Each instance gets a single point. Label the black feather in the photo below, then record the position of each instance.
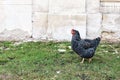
(84, 47)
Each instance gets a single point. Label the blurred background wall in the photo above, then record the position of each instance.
(54, 19)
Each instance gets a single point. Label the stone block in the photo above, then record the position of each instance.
(68, 6)
(2, 18)
(41, 5)
(59, 26)
(18, 17)
(38, 16)
(93, 6)
(94, 25)
(15, 2)
(14, 35)
(111, 22)
(40, 23)
(111, 27)
(110, 0)
(110, 7)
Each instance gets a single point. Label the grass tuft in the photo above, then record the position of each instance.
(43, 61)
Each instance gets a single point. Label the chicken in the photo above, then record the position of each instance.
(85, 48)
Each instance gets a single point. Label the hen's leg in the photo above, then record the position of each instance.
(90, 59)
(82, 60)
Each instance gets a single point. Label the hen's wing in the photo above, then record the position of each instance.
(85, 53)
(85, 44)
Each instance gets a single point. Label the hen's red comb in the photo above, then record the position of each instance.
(72, 30)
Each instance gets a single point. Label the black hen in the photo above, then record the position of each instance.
(84, 47)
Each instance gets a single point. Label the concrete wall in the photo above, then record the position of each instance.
(53, 19)
(110, 10)
(15, 19)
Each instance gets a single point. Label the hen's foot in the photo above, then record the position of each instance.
(82, 60)
(89, 60)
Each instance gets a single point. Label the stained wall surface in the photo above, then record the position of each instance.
(15, 19)
(54, 19)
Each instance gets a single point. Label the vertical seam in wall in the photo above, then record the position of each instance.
(101, 18)
(86, 16)
(47, 21)
(32, 18)
(48, 14)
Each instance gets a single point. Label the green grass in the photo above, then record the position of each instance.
(42, 61)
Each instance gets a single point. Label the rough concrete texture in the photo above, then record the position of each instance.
(93, 6)
(16, 16)
(2, 18)
(14, 35)
(110, 0)
(9, 2)
(41, 5)
(110, 7)
(94, 25)
(59, 26)
(54, 19)
(66, 6)
(40, 23)
(111, 27)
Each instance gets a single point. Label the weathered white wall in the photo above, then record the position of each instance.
(53, 19)
(65, 15)
(111, 27)
(60, 26)
(94, 25)
(15, 15)
(40, 18)
(94, 18)
(110, 10)
(67, 6)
